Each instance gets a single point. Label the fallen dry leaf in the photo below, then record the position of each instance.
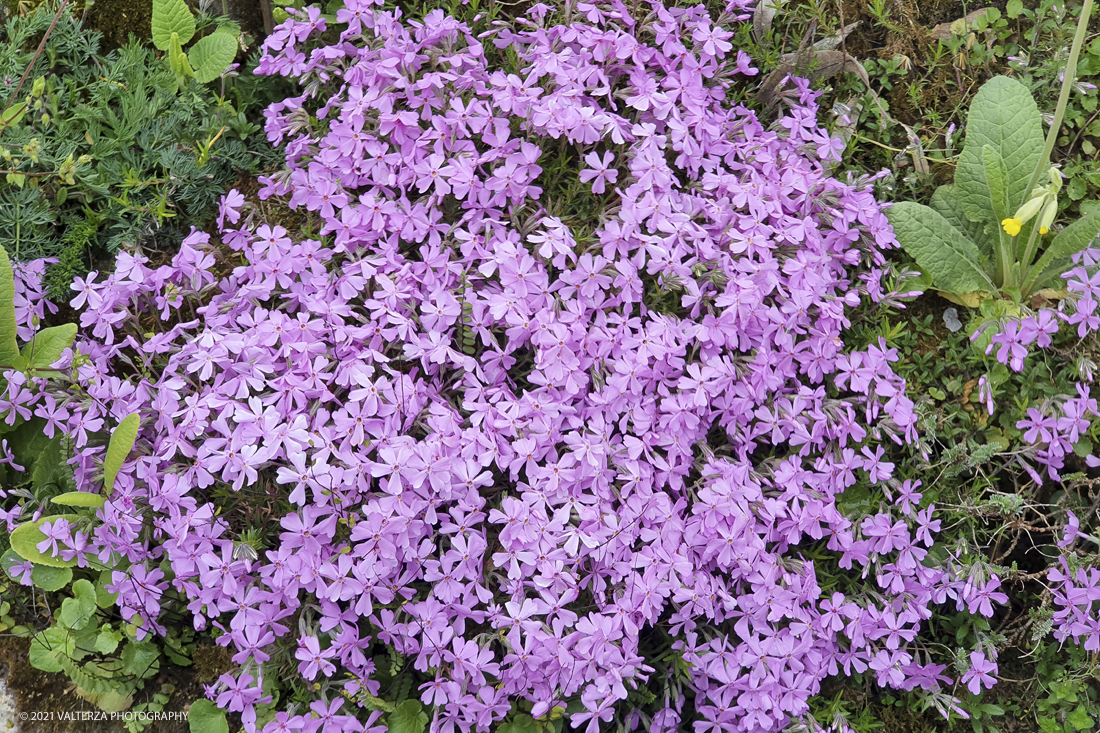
(944, 31)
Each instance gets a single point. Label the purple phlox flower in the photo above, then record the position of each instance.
(600, 170)
(327, 720)
(981, 673)
(981, 599)
(313, 659)
(1012, 350)
(1073, 526)
(229, 207)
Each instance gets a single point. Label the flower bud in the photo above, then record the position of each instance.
(1055, 179)
(1046, 218)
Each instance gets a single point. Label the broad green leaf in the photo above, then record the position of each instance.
(50, 579)
(13, 115)
(85, 638)
(26, 537)
(80, 498)
(1003, 116)
(122, 442)
(48, 645)
(945, 201)
(408, 717)
(939, 248)
(9, 347)
(171, 16)
(522, 723)
(111, 701)
(853, 500)
(107, 640)
(995, 177)
(103, 597)
(1071, 240)
(47, 345)
(78, 611)
(139, 658)
(206, 717)
(211, 55)
(84, 593)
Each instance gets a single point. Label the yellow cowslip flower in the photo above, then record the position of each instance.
(1024, 214)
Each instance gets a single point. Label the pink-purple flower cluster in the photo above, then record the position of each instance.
(511, 447)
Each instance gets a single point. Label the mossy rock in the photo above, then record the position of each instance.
(117, 20)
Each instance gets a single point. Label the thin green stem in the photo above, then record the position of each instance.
(1052, 136)
(1063, 97)
(1029, 251)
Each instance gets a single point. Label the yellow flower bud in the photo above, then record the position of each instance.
(1046, 218)
(1012, 226)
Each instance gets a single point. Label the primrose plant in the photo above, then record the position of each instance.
(173, 24)
(977, 242)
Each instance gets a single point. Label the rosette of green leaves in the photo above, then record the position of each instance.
(958, 241)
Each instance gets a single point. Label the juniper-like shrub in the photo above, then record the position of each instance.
(535, 461)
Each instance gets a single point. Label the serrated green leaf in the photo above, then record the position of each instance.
(50, 579)
(211, 55)
(48, 344)
(1080, 718)
(171, 16)
(408, 717)
(1004, 116)
(122, 442)
(206, 717)
(26, 537)
(1071, 240)
(940, 249)
(81, 499)
(9, 347)
(1049, 725)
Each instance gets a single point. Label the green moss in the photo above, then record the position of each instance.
(118, 19)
